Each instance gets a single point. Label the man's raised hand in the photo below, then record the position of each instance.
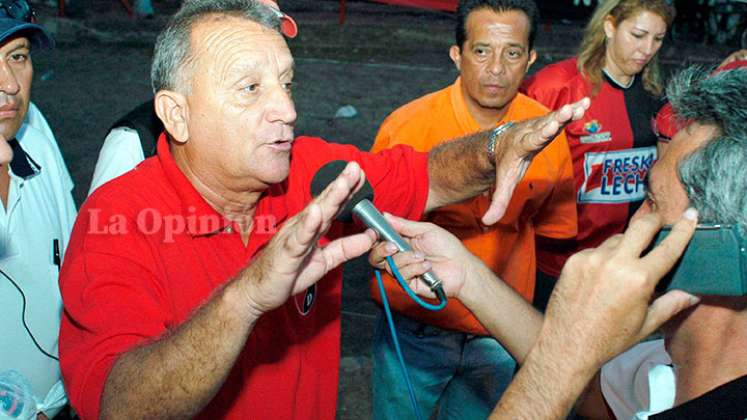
(602, 302)
(516, 147)
(293, 259)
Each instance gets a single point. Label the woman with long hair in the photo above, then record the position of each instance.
(614, 145)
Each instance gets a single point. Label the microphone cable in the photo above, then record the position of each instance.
(390, 321)
(23, 317)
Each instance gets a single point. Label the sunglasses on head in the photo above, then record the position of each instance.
(17, 9)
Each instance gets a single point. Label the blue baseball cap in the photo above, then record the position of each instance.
(17, 18)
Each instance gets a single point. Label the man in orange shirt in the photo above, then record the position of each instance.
(451, 359)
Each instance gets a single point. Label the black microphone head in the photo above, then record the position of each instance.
(328, 173)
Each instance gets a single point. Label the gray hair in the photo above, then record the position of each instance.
(172, 63)
(715, 175)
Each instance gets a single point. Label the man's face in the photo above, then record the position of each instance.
(666, 195)
(240, 111)
(494, 58)
(16, 73)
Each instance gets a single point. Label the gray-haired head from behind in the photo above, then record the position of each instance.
(172, 65)
(715, 175)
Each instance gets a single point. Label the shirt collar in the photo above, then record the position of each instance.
(193, 205)
(22, 165)
(615, 84)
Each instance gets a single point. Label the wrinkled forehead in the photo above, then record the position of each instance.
(220, 40)
(485, 24)
(219, 32)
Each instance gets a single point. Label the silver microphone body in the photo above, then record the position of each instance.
(372, 218)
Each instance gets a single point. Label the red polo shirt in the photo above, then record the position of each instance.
(147, 250)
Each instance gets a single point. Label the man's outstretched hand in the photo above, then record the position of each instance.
(293, 260)
(516, 147)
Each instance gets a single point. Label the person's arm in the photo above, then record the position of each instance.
(461, 168)
(514, 322)
(600, 306)
(176, 375)
(500, 309)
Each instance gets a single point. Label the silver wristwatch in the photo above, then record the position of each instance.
(494, 136)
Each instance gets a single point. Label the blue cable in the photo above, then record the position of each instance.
(409, 291)
(390, 321)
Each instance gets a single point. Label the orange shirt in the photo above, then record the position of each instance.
(543, 202)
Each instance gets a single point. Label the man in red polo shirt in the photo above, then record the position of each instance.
(203, 283)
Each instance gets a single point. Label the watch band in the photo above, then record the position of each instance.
(494, 136)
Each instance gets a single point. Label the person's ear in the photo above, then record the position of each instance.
(532, 59)
(456, 56)
(172, 109)
(609, 27)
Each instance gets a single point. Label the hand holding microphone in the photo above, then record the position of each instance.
(362, 208)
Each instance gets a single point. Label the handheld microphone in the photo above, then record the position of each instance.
(361, 207)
